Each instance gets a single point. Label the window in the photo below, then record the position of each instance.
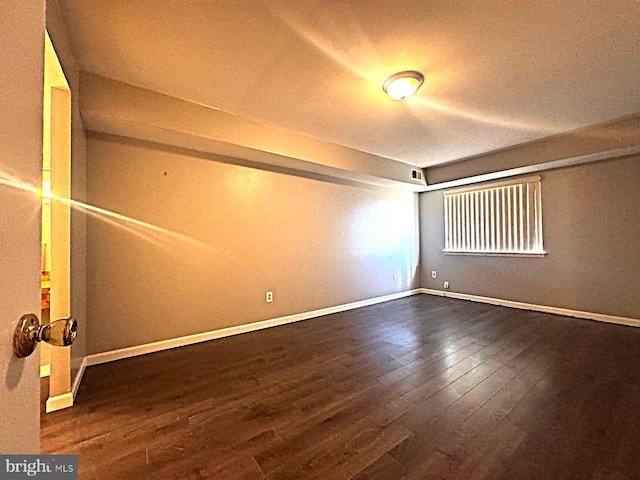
(502, 218)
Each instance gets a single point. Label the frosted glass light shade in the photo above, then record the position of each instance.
(402, 85)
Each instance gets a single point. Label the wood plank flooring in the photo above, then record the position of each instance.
(418, 388)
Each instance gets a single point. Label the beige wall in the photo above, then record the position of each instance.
(59, 38)
(591, 225)
(313, 242)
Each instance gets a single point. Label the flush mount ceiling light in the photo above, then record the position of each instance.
(402, 85)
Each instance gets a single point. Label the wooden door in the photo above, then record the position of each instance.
(21, 95)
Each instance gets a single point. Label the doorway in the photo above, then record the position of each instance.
(55, 363)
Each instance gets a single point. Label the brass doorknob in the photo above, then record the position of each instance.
(29, 332)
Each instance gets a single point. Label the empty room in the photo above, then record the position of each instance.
(320, 239)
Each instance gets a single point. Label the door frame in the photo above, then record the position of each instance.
(57, 153)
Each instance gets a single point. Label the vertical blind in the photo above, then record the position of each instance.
(499, 218)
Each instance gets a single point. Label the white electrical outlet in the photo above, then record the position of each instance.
(269, 297)
(434, 274)
(446, 284)
(395, 277)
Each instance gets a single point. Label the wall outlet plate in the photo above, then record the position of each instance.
(395, 277)
(446, 284)
(434, 274)
(269, 297)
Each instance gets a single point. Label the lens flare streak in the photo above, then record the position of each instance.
(141, 229)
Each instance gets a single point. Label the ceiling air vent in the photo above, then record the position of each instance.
(416, 174)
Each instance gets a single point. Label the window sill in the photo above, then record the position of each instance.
(497, 254)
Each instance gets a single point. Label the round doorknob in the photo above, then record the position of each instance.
(29, 332)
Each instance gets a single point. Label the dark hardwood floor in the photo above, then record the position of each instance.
(422, 387)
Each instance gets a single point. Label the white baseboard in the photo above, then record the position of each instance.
(59, 402)
(600, 317)
(62, 401)
(113, 355)
(82, 366)
(110, 356)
